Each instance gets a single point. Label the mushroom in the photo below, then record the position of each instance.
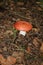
(23, 27)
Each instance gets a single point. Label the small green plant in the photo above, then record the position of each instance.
(14, 32)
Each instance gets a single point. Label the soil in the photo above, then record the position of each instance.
(16, 49)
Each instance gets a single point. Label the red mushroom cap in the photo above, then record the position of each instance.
(23, 26)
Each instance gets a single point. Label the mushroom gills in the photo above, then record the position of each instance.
(22, 33)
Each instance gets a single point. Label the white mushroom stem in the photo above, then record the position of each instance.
(22, 33)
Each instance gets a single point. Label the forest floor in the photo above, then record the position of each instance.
(16, 49)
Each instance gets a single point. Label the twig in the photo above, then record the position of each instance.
(16, 13)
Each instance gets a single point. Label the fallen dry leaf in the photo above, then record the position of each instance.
(2, 59)
(41, 48)
(11, 60)
(28, 49)
(42, 63)
(20, 3)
